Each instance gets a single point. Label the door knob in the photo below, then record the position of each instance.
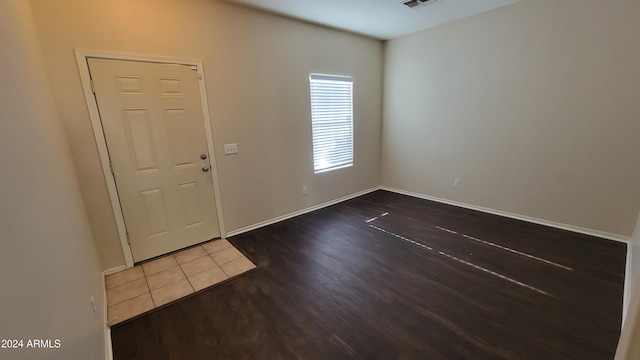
(205, 168)
(203, 156)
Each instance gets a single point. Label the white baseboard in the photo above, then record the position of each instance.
(108, 350)
(553, 224)
(114, 270)
(298, 213)
(108, 355)
(576, 229)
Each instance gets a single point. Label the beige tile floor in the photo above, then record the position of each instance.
(155, 283)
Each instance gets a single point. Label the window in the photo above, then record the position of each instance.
(331, 121)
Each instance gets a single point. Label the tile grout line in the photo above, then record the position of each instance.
(149, 287)
(126, 299)
(185, 274)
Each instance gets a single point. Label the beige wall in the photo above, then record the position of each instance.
(534, 107)
(256, 67)
(50, 267)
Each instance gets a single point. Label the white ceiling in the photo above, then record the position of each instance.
(381, 19)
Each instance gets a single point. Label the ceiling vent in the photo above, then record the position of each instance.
(414, 4)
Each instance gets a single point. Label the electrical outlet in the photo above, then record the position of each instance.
(230, 149)
(456, 183)
(304, 190)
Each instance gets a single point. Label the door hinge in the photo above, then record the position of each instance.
(93, 87)
(111, 167)
(128, 239)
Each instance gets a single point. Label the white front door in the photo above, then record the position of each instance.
(153, 123)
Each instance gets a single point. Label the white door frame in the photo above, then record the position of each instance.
(96, 122)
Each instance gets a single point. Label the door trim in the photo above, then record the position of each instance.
(83, 69)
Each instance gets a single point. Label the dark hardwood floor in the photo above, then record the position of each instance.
(423, 281)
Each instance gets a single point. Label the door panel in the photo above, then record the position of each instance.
(137, 127)
(155, 209)
(190, 203)
(154, 128)
(177, 129)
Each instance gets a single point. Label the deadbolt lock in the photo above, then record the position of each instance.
(203, 156)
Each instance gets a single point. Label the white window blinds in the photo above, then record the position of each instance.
(331, 121)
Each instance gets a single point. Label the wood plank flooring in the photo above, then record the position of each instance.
(387, 276)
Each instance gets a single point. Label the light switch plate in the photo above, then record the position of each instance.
(230, 149)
